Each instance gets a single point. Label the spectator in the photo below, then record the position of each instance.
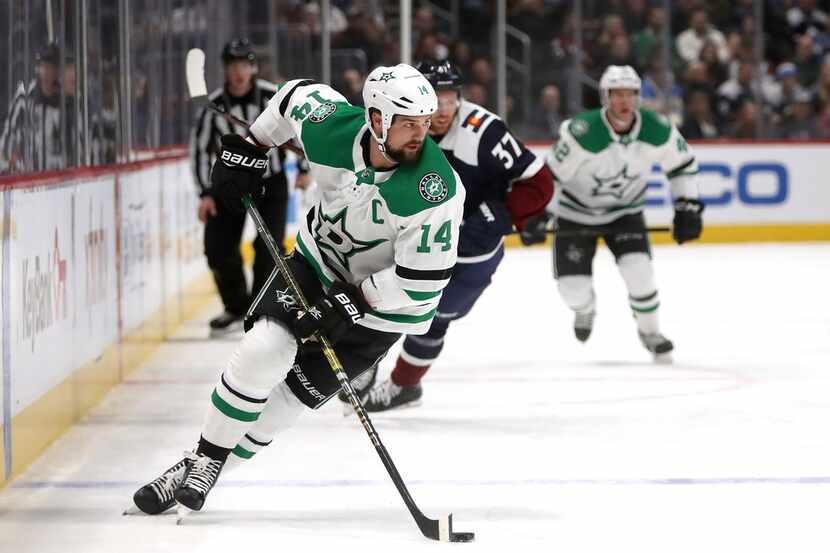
(784, 92)
(799, 124)
(364, 32)
(548, 117)
(645, 41)
(634, 14)
(352, 86)
(461, 55)
(807, 60)
(745, 126)
(475, 93)
(696, 76)
(612, 27)
(699, 121)
(716, 70)
(823, 123)
(656, 93)
(735, 92)
(690, 41)
(481, 73)
(821, 90)
(806, 19)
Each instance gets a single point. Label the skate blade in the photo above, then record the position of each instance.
(182, 512)
(663, 358)
(132, 510)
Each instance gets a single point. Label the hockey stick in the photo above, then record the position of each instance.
(599, 231)
(195, 66)
(440, 529)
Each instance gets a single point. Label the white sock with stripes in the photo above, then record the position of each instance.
(260, 362)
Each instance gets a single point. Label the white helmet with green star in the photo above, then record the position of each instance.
(397, 90)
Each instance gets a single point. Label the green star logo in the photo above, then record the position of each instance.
(331, 234)
(615, 185)
(386, 76)
(365, 176)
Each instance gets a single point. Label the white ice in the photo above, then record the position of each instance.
(534, 441)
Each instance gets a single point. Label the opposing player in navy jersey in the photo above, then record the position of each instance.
(506, 185)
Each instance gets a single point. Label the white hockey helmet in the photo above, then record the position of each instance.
(619, 77)
(397, 90)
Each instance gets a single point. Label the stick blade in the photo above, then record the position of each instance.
(195, 73)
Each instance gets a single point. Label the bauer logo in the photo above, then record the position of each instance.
(323, 111)
(433, 188)
(243, 161)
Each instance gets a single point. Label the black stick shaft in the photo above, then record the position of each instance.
(426, 525)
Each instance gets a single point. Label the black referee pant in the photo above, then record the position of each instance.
(223, 234)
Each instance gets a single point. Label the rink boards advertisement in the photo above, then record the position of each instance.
(743, 184)
(87, 258)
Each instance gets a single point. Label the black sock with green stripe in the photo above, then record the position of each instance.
(212, 450)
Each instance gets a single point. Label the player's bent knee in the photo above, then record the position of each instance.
(264, 355)
(576, 290)
(638, 273)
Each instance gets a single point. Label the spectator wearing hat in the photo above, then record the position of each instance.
(799, 124)
(244, 96)
(782, 95)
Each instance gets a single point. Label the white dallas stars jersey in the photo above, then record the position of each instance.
(602, 176)
(393, 233)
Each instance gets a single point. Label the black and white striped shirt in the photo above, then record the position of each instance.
(205, 140)
(31, 135)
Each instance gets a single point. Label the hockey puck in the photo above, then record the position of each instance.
(462, 536)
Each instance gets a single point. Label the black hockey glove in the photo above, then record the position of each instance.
(688, 223)
(482, 229)
(238, 171)
(333, 314)
(536, 229)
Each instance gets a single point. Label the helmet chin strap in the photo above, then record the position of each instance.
(382, 143)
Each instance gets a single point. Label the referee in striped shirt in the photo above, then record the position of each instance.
(244, 96)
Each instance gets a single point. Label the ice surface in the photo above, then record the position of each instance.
(534, 441)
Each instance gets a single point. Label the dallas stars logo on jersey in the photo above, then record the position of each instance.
(433, 188)
(615, 185)
(322, 111)
(331, 234)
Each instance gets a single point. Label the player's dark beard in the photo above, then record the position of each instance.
(405, 157)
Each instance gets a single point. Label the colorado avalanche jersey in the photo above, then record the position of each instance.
(394, 233)
(603, 175)
(487, 157)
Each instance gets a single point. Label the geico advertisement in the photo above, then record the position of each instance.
(744, 184)
(141, 270)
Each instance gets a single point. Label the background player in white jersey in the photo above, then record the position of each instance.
(506, 185)
(372, 257)
(602, 163)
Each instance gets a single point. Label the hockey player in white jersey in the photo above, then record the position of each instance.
(601, 164)
(506, 186)
(372, 257)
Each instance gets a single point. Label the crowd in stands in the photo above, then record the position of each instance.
(715, 85)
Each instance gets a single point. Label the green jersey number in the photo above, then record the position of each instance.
(561, 151)
(442, 236)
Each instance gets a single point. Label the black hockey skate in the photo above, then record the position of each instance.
(226, 323)
(157, 496)
(660, 346)
(388, 395)
(201, 475)
(583, 325)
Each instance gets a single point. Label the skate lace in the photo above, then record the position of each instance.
(203, 473)
(385, 393)
(167, 483)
